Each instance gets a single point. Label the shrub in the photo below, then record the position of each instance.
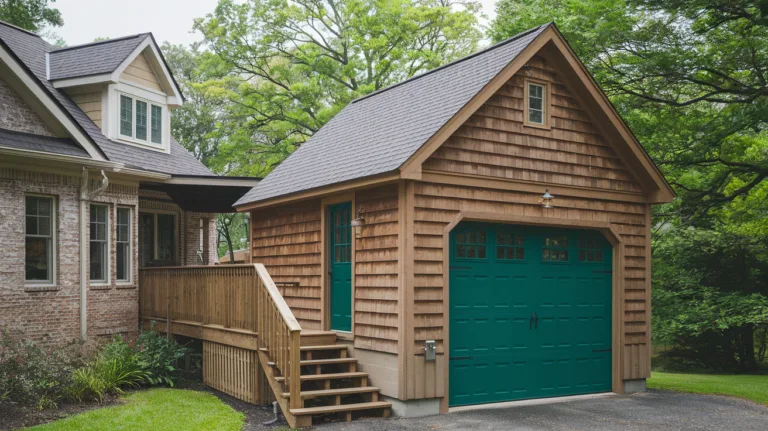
(31, 375)
(157, 355)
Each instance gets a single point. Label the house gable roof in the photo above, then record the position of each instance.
(30, 51)
(377, 133)
(93, 58)
(396, 129)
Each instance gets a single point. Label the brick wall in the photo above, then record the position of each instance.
(51, 313)
(17, 116)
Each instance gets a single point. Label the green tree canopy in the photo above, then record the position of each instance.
(32, 15)
(287, 67)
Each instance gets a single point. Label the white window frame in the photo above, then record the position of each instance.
(107, 249)
(53, 238)
(129, 267)
(545, 103)
(132, 138)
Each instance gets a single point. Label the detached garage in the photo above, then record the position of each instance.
(475, 234)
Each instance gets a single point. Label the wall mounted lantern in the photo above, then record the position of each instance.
(546, 199)
(358, 222)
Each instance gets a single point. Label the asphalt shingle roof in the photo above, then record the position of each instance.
(92, 59)
(31, 49)
(376, 134)
(47, 144)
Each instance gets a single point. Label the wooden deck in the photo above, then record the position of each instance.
(252, 344)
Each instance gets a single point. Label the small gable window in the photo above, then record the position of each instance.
(536, 104)
(140, 120)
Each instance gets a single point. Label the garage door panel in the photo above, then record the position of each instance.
(530, 313)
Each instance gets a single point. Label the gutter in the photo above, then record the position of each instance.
(85, 197)
(85, 161)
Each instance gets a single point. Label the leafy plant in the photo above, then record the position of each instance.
(32, 375)
(157, 356)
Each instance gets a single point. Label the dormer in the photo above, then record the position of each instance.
(123, 85)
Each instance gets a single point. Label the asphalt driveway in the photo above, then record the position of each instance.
(653, 410)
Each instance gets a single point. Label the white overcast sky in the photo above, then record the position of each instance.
(168, 20)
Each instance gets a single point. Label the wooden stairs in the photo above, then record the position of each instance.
(332, 388)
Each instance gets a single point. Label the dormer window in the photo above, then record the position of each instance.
(140, 120)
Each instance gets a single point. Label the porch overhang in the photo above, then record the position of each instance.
(208, 194)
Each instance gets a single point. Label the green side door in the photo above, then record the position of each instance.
(340, 265)
(530, 313)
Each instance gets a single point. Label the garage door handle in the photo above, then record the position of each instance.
(530, 322)
(536, 321)
(460, 358)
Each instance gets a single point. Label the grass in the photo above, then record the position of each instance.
(747, 386)
(156, 409)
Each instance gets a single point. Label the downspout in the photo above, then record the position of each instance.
(85, 196)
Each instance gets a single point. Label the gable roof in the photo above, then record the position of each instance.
(30, 50)
(93, 58)
(392, 130)
(377, 133)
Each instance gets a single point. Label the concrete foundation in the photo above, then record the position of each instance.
(632, 386)
(414, 408)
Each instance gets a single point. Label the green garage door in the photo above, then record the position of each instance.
(530, 313)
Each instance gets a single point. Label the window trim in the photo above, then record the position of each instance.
(546, 104)
(106, 281)
(133, 139)
(52, 279)
(129, 280)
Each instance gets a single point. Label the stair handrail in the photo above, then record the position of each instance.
(279, 333)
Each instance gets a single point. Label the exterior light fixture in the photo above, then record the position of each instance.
(546, 199)
(358, 222)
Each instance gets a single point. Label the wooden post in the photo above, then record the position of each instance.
(295, 367)
(167, 305)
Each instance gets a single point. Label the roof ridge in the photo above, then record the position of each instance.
(100, 42)
(453, 63)
(8, 24)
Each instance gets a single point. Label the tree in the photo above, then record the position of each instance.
(290, 66)
(32, 15)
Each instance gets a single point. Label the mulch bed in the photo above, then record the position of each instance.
(17, 417)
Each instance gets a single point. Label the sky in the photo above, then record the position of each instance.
(168, 20)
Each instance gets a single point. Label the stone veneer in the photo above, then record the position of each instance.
(18, 116)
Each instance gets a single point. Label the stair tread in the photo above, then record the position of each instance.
(327, 347)
(328, 361)
(327, 376)
(331, 392)
(322, 361)
(340, 408)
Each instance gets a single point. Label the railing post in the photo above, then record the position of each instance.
(168, 304)
(295, 367)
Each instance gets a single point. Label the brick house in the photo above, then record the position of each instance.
(93, 186)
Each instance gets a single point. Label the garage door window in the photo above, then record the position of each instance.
(510, 246)
(590, 250)
(471, 245)
(555, 249)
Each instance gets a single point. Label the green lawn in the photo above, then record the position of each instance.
(156, 409)
(746, 386)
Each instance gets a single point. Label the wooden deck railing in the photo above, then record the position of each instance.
(210, 295)
(233, 296)
(281, 334)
